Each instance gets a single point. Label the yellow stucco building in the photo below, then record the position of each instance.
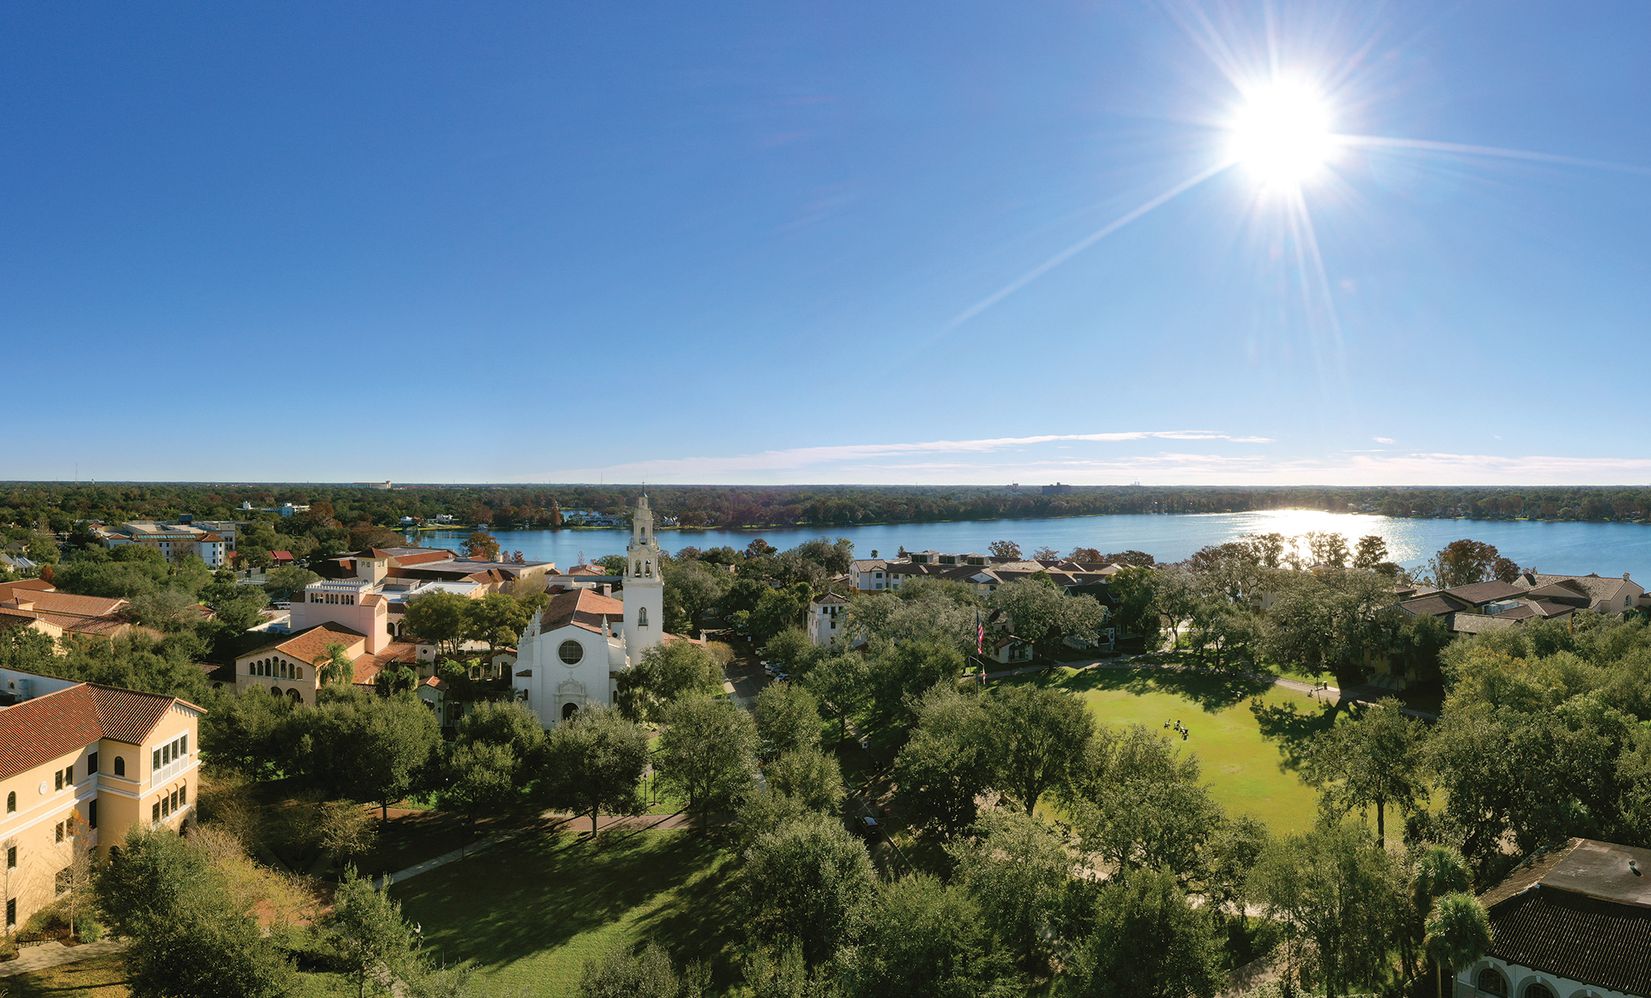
(80, 764)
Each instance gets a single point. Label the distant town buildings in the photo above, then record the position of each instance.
(984, 572)
(175, 541)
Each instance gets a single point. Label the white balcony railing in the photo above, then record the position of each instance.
(171, 769)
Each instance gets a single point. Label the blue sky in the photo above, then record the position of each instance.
(819, 243)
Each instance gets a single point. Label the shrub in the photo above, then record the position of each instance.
(88, 929)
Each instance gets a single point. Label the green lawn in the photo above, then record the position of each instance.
(1248, 753)
(529, 915)
(99, 977)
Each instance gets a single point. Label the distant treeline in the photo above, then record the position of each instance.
(58, 506)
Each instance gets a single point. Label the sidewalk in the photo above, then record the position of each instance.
(45, 956)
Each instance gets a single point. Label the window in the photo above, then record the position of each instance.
(69, 774)
(571, 652)
(91, 814)
(155, 813)
(642, 616)
(183, 795)
(156, 762)
(59, 776)
(166, 808)
(91, 763)
(60, 831)
(1539, 990)
(174, 799)
(11, 857)
(120, 765)
(11, 912)
(1491, 982)
(11, 802)
(183, 744)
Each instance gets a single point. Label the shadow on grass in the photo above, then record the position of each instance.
(1292, 729)
(1211, 690)
(538, 894)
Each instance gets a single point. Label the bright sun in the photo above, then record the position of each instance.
(1282, 134)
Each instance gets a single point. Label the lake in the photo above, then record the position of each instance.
(1606, 548)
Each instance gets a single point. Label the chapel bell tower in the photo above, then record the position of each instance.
(644, 588)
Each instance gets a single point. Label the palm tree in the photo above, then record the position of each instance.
(1458, 933)
(1437, 871)
(335, 666)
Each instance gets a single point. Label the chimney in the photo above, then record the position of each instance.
(372, 569)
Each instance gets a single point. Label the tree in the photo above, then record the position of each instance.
(1458, 933)
(249, 732)
(1133, 610)
(439, 618)
(497, 620)
(808, 879)
(1035, 738)
(787, 718)
(1465, 562)
(1019, 872)
(1371, 553)
(840, 684)
(334, 666)
(501, 722)
(189, 940)
(1374, 759)
(366, 935)
(808, 776)
(1338, 890)
(667, 673)
(920, 937)
(1037, 611)
(901, 673)
(482, 546)
(166, 609)
(623, 974)
(1329, 549)
(778, 609)
(708, 752)
(1435, 871)
(1148, 942)
(593, 762)
(481, 778)
(693, 590)
(369, 748)
(792, 650)
(288, 582)
(1138, 803)
(942, 769)
(1004, 550)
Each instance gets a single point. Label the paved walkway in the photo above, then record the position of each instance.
(1331, 694)
(45, 956)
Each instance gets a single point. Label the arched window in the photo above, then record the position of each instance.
(1537, 989)
(11, 802)
(571, 652)
(120, 765)
(294, 695)
(276, 690)
(642, 616)
(1491, 982)
(568, 710)
(298, 672)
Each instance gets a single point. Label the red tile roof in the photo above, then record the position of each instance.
(311, 644)
(37, 731)
(581, 608)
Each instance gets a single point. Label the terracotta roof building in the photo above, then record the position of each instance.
(79, 765)
(1576, 921)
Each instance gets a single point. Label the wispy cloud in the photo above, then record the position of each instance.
(1385, 441)
(840, 459)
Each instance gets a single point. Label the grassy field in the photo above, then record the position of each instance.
(528, 917)
(100, 977)
(1248, 752)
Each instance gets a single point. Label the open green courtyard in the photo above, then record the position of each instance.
(527, 916)
(1249, 752)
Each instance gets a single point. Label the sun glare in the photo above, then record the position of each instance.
(1281, 134)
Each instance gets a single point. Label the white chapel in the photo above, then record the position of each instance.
(571, 655)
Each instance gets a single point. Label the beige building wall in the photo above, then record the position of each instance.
(112, 802)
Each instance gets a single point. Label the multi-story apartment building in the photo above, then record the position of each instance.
(80, 764)
(174, 541)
